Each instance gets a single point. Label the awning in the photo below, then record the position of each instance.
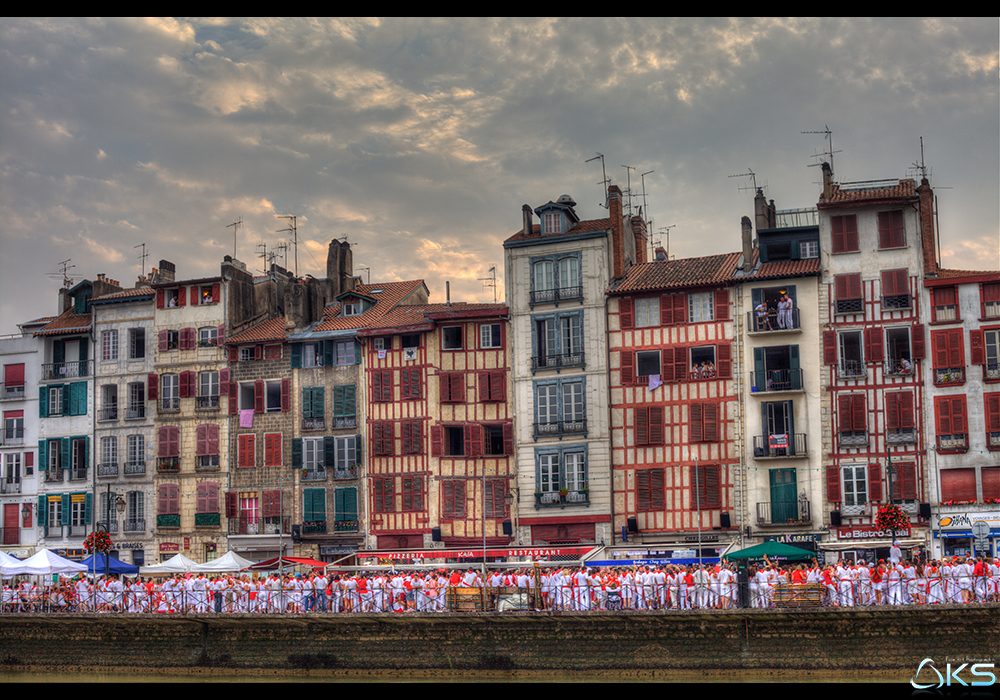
(539, 553)
(868, 544)
(286, 563)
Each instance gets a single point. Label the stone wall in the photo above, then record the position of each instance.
(839, 640)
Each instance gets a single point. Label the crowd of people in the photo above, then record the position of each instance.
(550, 588)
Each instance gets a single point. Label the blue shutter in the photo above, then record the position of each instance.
(296, 356)
(297, 452)
(43, 402)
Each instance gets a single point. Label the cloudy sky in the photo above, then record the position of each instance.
(420, 139)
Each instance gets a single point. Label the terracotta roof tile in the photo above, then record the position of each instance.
(781, 268)
(272, 330)
(579, 227)
(388, 295)
(126, 294)
(403, 316)
(904, 189)
(67, 322)
(686, 272)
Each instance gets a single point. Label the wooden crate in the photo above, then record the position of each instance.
(465, 599)
(798, 595)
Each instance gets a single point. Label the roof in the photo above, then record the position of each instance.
(66, 323)
(271, 330)
(387, 295)
(424, 316)
(777, 269)
(125, 295)
(588, 226)
(874, 194)
(946, 276)
(686, 272)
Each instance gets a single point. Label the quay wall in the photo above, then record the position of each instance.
(858, 639)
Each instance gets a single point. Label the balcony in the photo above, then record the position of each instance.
(259, 526)
(850, 306)
(897, 436)
(345, 422)
(853, 438)
(554, 296)
(957, 442)
(107, 469)
(11, 392)
(783, 513)
(851, 369)
(898, 368)
(949, 375)
(135, 468)
(895, 301)
(168, 521)
(206, 463)
(779, 446)
(317, 474)
(135, 412)
(314, 527)
(78, 474)
(560, 428)
(207, 519)
(991, 371)
(169, 404)
(772, 323)
(562, 498)
(993, 440)
(107, 414)
(134, 525)
(168, 465)
(313, 424)
(776, 380)
(557, 362)
(206, 403)
(345, 526)
(10, 484)
(67, 370)
(350, 472)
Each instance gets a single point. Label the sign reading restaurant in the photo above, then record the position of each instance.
(534, 553)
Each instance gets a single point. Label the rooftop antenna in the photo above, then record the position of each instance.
(295, 237)
(628, 185)
(604, 174)
(829, 139)
(236, 226)
(142, 257)
(753, 179)
(643, 177)
(262, 254)
(491, 281)
(66, 279)
(367, 270)
(283, 248)
(665, 230)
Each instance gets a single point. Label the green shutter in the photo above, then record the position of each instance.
(329, 452)
(67, 504)
(87, 509)
(307, 402)
(357, 449)
(84, 345)
(78, 399)
(67, 453)
(297, 452)
(43, 512)
(58, 351)
(318, 401)
(43, 402)
(760, 380)
(357, 352)
(328, 353)
(314, 504)
(346, 504)
(43, 456)
(793, 363)
(296, 356)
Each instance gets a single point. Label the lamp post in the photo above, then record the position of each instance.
(119, 503)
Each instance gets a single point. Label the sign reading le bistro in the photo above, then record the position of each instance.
(867, 532)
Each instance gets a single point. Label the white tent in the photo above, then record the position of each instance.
(44, 562)
(178, 564)
(7, 560)
(230, 561)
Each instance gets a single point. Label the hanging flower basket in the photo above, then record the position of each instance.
(97, 542)
(891, 517)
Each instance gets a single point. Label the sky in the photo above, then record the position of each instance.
(419, 139)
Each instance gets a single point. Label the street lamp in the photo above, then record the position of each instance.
(119, 503)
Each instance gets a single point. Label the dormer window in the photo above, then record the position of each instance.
(551, 223)
(352, 308)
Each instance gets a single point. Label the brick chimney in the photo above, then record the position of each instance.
(827, 181)
(763, 214)
(526, 219)
(617, 232)
(928, 237)
(167, 271)
(639, 231)
(747, 230)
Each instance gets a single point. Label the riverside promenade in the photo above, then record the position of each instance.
(822, 639)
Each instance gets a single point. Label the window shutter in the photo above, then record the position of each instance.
(641, 426)
(655, 425)
(258, 396)
(233, 403)
(159, 298)
(977, 346)
(873, 344)
(956, 349)
(695, 422)
(710, 415)
(943, 415)
(833, 484)
(627, 367)
(286, 394)
(858, 412)
(906, 480)
(162, 342)
(43, 402)
(959, 485)
(474, 440)
(437, 438)
(724, 362)
(330, 451)
(457, 390)
(829, 347)
(721, 305)
(163, 442)
(223, 379)
(667, 365)
(906, 414)
(201, 440)
(679, 302)
(297, 453)
(182, 296)
(184, 388)
(874, 481)
(232, 504)
(642, 490)
(296, 360)
(271, 506)
(892, 410)
(508, 436)
(917, 343)
(216, 293)
(625, 313)
(234, 353)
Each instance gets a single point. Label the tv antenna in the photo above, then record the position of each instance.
(142, 257)
(66, 279)
(236, 226)
(491, 281)
(367, 270)
(665, 230)
(628, 185)
(295, 237)
(753, 179)
(604, 174)
(642, 176)
(828, 135)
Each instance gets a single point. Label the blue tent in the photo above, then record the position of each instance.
(95, 565)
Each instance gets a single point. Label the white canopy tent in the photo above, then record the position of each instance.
(44, 562)
(6, 561)
(230, 561)
(178, 564)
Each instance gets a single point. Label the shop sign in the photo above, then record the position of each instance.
(168, 547)
(963, 521)
(868, 532)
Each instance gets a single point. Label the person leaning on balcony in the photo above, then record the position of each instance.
(762, 316)
(785, 312)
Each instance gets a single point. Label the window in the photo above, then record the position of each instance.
(561, 469)
(13, 428)
(352, 308)
(265, 396)
(890, 229)
(853, 419)
(13, 382)
(247, 353)
(649, 425)
(79, 509)
(904, 483)
(346, 452)
(647, 363)
(492, 386)
(848, 294)
(409, 341)
(55, 404)
(208, 294)
(169, 440)
(412, 439)
(136, 401)
(168, 340)
(109, 402)
(951, 423)
(314, 505)
(313, 400)
(383, 442)
(136, 343)
(382, 343)
(498, 439)
(453, 440)
(312, 354)
(703, 363)
(170, 298)
(898, 356)
(272, 450)
(704, 422)
(647, 311)
(558, 340)
(649, 493)
(808, 250)
(559, 407)
(899, 417)
(949, 356)
(410, 384)
(495, 505)
(344, 353)
(54, 511)
(989, 294)
(706, 489)
(109, 451)
(272, 352)
(453, 499)
(991, 354)
(246, 450)
(208, 337)
(451, 338)
(207, 498)
(992, 404)
(777, 368)
(844, 231)
(452, 387)
(555, 278)
(109, 345)
(855, 489)
(312, 454)
(852, 361)
(382, 385)
(490, 336)
(944, 304)
(700, 307)
(344, 406)
(895, 289)
(384, 498)
(170, 392)
(136, 454)
(551, 223)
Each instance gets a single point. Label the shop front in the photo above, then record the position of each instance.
(954, 533)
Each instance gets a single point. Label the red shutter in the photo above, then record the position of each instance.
(233, 403)
(201, 440)
(223, 379)
(286, 395)
(220, 335)
(977, 346)
(710, 415)
(942, 415)
(829, 347)
(906, 414)
(182, 296)
(215, 294)
(473, 440)
(437, 438)
(680, 308)
(874, 482)
(721, 305)
(958, 484)
(625, 315)
(232, 507)
(508, 438)
(837, 234)
(258, 396)
(161, 341)
(696, 432)
(162, 441)
(655, 425)
(833, 484)
(724, 362)
(153, 386)
(271, 505)
(917, 341)
(258, 352)
(666, 310)
(873, 344)
(184, 385)
(992, 402)
(906, 480)
(234, 353)
(498, 386)
(680, 364)
(627, 367)
(159, 298)
(457, 388)
(858, 412)
(641, 426)
(213, 438)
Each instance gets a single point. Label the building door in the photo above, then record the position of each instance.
(784, 503)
